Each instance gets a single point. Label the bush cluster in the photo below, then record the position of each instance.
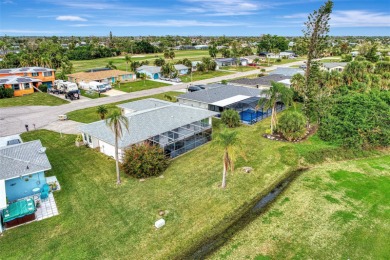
(230, 118)
(6, 92)
(43, 88)
(145, 160)
(292, 125)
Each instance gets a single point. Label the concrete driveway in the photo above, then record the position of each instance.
(13, 119)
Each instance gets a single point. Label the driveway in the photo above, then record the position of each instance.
(13, 119)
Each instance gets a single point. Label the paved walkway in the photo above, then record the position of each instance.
(13, 119)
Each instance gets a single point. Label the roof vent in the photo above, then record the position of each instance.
(42, 150)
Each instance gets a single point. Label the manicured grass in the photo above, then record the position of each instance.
(89, 115)
(91, 94)
(140, 85)
(203, 75)
(238, 68)
(99, 219)
(120, 63)
(35, 99)
(336, 211)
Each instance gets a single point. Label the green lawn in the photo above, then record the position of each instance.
(35, 99)
(101, 220)
(140, 85)
(91, 94)
(203, 75)
(336, 211)
(119, 62)
(89, 115)
(238, 68)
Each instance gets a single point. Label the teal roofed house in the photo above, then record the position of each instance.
(22, 175)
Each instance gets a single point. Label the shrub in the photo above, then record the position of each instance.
(262, 70)
(225, 82)
(43, 87)
(6, 92)
(278, 60)
(292, 125)
(145, 160)
(230, 118)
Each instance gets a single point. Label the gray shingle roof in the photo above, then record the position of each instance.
(150, 69)
(144, 104)
(217, 92)
(22, 159)
(25, 70)
(148, 123)
(262, 81)
(180, 67)
(331, 65)
(286, 71)
(17, 80)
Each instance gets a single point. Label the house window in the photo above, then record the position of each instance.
(47, 74)
(15, 86)
(89, 139)
(34, 74)
(26, 85)
(85, 138)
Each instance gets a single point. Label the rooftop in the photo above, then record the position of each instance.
(180, 67)
(144, 104)
(331, 65)
(287, 71)
(150, 69)
(17, 80)
(23, 159)
(147, 123)
(261, 81)
(217, 92)
(24, 70)
(98, 75)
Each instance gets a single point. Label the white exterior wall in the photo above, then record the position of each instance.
(193, 103)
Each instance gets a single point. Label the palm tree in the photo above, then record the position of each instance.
(110, 65)
(277, 92)
(102, 111)
(116, 121)
(298, 82)
(228, 141)
(128, 60)
(143, 77)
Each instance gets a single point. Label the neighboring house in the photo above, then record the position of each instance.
(251, 58)
(181, 69)
(174, 127)
(108, 76)
(331, 66)
(193, 65)
(201, 47)
(22, 174)
(263, 82)
(153, 72)
(354, 53)
(286, 54)
(46, 75)
(221, 62)
(291, 44)
(287, 71)
(215, 93)
(20, 85)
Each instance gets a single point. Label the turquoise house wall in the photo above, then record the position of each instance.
(21, 187)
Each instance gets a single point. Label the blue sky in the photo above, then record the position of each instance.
(187, 17)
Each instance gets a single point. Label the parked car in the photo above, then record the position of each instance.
(304, 66)
(194, 88)
(176, 80)
(73, 94)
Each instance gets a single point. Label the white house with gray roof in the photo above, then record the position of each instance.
(334, 66)
(264, 82)
(174, 127)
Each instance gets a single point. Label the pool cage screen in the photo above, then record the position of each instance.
(184, 138)
(249, 112)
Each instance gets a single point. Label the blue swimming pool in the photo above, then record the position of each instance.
(251, 116)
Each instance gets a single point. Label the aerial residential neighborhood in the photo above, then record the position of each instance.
(199, 129)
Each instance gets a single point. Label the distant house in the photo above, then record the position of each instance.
(354, 53)
(174, 127)
(291, 44)
(251, 58)
(194, 65)
(201, 47)
(22, 174)
(181, 69)
(44, 75)
(153, 72)
(287, 71)
(108, 76)
(334, 66)
(221, 62)
(263, 82)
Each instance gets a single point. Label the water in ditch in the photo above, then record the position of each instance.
(253, 212)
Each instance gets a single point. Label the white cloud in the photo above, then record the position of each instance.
(164, 23)
(223, 7)
(70, 18)
(25, 32)
(351, 18)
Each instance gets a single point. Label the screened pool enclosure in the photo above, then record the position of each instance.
(247, 108)
(184, 138)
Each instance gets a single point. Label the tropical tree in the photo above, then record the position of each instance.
(143, 77)
(292, 125)
(168, 70)
(230, 118)
(159, 62)
(110, 65)
(278, 92)
(102, 111)
(227, 140)
(116, 122)
(127, 60)
(213, 51)
(166, 54)
(171, 55)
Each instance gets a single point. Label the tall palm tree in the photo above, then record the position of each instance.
(143, 77)
(277, 92)
(298, 83)
(128, 60)
(229, 142)
(110, 65)
(116, 121)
